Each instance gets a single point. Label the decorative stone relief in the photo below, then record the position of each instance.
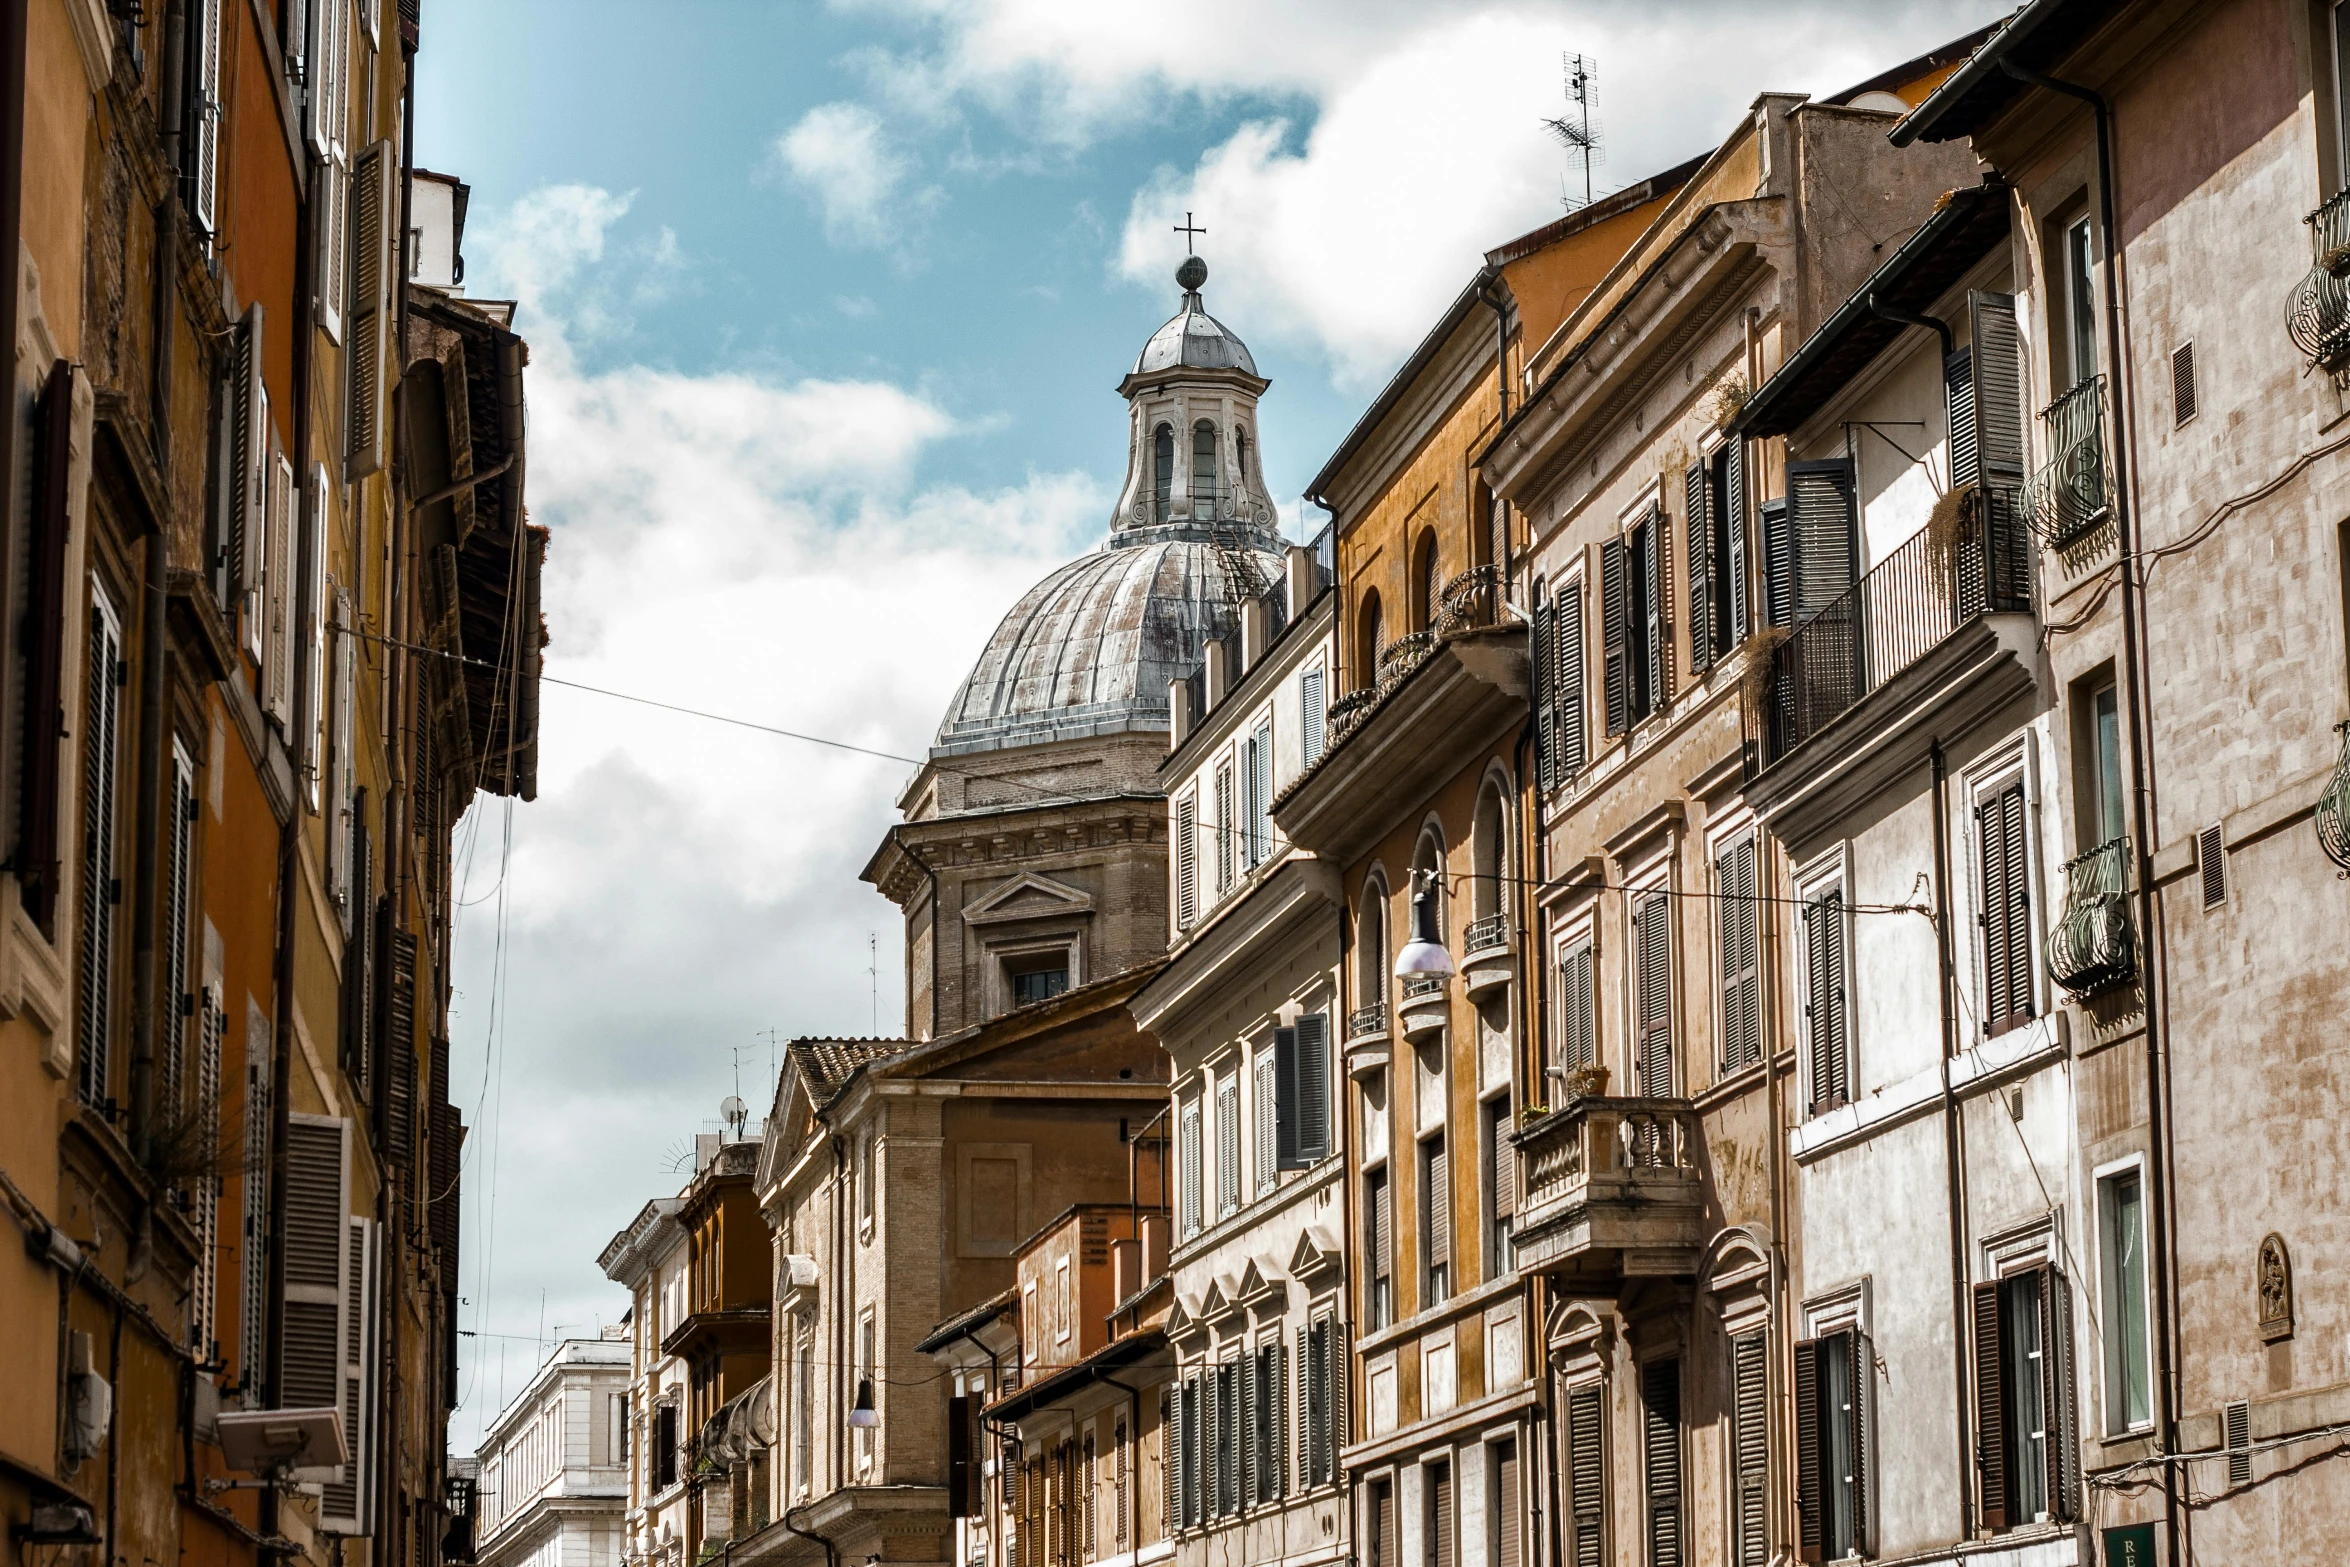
(2275, 1289)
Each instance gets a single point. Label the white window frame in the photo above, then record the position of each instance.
(2108, 1286)
(1568, 932)
(1736, 824)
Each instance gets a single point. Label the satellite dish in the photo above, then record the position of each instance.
(732, 1108)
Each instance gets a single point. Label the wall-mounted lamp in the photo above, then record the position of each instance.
(1424, 956)
(864, 1417)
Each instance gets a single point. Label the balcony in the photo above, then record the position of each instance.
(2318, 317)
(1487, 962)
(1426, 1007)
(2333, 808)
(1366, 1046)
(1609, 1189)
(2094, 947)
(1909, 604)
(2069, 495)
(1436, 698)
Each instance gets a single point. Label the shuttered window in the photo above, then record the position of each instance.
(1958, 410)
(1545, 658)
(1503, 1502)
(1382, 1524)
(1827, 1009)
(1187, 861)
(1188, 1154)
(1378, 1228)
(253, 1230)
(1441, 1522)
(1226, 828)
(1750, 1451)
(1267, 1115)
(46, 727)
(1730, 500)
(1578, 1009)
(204, 1288)
(2026, 1443)
(1260, 794)
(347, 1504)
(1660, 1441)
(1435, 1222)
(1738, 922)
(374, 269)
(1586, 1477)
(1228, 1436)
(1831, 1445)
(101, 885)
(2004, 889)
(1778, 550)
(203, 194)
(278, 581)
(1252, 1427)
(1182, 1444)
(317, 1207)
(246, 508)
(1697, 490)
(1615, 633)
(1653, 669)
(1501, 1185)
(1303, 1054)
(959, 1456)
(177, 1003)
(1996, 362)
(1321, 1390)
(1122, 1463)
(1652, 987)
(1227, 1145)
(1571, 726)
(1313, 707)
(1820, 514)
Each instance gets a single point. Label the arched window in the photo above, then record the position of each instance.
(1203, 470)
(1239, 459)
(1489, 848)
(1428, 872)
(1162, 471)
(1427, 586)
(1371, 946)
(1367, 641)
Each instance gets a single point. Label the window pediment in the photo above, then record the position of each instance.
(1029, 896)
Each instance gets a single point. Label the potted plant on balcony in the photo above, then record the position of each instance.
(1582, 1082)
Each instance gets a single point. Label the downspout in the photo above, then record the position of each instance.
(1531, 996)
(1939, 327)
(12, 73)
(1134, 1480)
(831, 1551)
(146, 1010)
(1954, 1196)
(2141, 799)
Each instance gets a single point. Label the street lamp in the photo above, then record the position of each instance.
(1424, 956)
(864, 1417)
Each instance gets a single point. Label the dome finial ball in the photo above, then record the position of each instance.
(1191, 274)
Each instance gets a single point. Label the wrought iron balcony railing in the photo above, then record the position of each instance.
(1491, 931)
(1940, 580)
(1425, 985)
(2094, 946)
(2333, 808)
(1367, 1020)
(2318, 316)
(2070, 494)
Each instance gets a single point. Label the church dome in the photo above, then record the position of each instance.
(1193, 339)
(1090, 649)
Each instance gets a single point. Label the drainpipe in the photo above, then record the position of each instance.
(1934, 324)
(831, 1551)
(2141, 800)
(1134, 1481)
(148, 1010)
(1954, 1198)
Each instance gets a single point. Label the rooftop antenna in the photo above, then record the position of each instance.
(768, 1034)
(734, 1113)
(873, 972)
(1576, 129)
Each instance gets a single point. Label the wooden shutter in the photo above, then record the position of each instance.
(1190, 1154)
(253, 1242)
(1314, 1141)
(1382, 1227)
(1749, 1451)
(204, 120)
(1505, 1504)
(1990, 1411)
(1252, 1422)
(1227, 1145)
(1996, 363)
(1819, 499)
(1778, 543)
(1277, 1360)
(1810, 1455)
(1383, 1552)
(1546, 698)
(317, 1205)
(1282, 1105)
(1270, 1119)
(1654, 676)
(1440, 1516)
(1660, 1424)
(1578, 1009)
(1958, 408)
(1226, 827)
(1505, 1166)
(2056, 1396)
(374, 249)
(2005, 917)
(1313, 708)
(101, 890)
(177, 1004)
(1697, 486)
(959, 1456)
(1308, 1471)
(1653, 982)
(1574, 732)
(204, 1292)
(1741, 955)
(1586, 1476)
(248, 513)
(45, 726)
(1861, 1364)
(1825, 1012)
(1187, 861)
(278, 582)
(1437, 1214)
(346, 1505)
(1178, 1439)
(1615, 631)
(1733, 461)
(1260, 819)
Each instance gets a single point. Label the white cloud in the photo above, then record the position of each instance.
(839, 154)
(754, 547)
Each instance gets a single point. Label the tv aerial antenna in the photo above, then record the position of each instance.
(1576, 129)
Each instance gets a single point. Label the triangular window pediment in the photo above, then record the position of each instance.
(1029, 896)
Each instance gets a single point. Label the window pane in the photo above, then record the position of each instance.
(2109, 767)
(2081, 302)
(2027, 1437)
(1837, 1396)
(2342, 86)
(2129, 1392)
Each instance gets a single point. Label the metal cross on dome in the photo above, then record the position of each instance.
(1189, 231)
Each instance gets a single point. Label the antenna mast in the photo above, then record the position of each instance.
(1576, 129)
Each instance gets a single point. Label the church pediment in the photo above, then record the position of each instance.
(1028, 896)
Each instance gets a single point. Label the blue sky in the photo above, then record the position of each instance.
(827, 304)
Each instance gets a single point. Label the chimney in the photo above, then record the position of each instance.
(1179, 713)
(1256, 630)
(1154, 1246)
(1302, 575)
(1219, 677)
